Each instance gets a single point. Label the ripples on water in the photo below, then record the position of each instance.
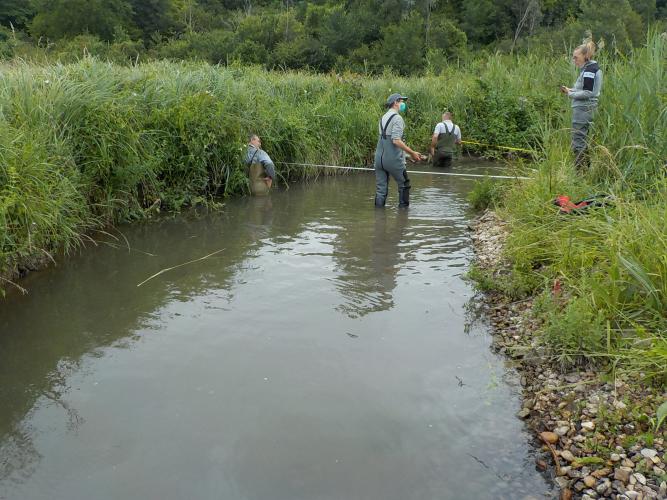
(323, 354)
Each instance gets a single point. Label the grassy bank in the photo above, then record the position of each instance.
(601, 277)
(86, 145)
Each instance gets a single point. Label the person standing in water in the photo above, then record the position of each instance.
(256, 156)
(390, 153)
(446, 137)
(584, 95)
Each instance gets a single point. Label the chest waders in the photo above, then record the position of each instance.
(257, 175)
(445, 147)
(389, 160)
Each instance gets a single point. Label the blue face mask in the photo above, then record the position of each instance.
(402, 107)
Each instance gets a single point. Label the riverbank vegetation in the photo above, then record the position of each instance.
(601, 275)
(89, 144)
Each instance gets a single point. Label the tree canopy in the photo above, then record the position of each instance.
(362, 35)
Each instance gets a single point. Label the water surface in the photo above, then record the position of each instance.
(325, 353)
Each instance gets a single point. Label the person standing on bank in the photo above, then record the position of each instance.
(584, 95)
(390, 153)
(256, 155)
(446, 137)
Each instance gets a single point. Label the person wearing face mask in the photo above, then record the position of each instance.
(584, 95)
(390, 153)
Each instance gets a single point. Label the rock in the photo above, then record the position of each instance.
(588, 426)
(603, 487)
(623, 474)
(523, 413)
(567, 455)
(561, 431)
(541, 464)
(640, 478)
(615, 457)
(562, 482)
(579, 486)
(600, 473)
(649, 453)
(589, 481)
(564, 470)
(549, 437)
(628, 463)
(566, 494)
(632, 495)
(620, 405)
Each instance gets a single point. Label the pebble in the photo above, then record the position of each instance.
(567, 455)
(561, 431)
(549, 437)
(589, 426)
(615, 457)
(623, 474)
(562, 482)
(589, 481)
(649, 453)
(640, 478)
(523, 413)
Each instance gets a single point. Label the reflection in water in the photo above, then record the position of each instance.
(233, 378)
(369, 264)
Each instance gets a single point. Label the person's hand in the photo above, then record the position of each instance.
(268, 181)
(416, 156)
(564, 89)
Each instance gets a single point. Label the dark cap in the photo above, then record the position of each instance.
(393, 98)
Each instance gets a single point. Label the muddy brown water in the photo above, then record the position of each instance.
(329, 352)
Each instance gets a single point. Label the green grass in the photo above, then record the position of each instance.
(612, 261)
(88, 144)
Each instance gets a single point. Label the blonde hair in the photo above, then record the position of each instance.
(587, 49)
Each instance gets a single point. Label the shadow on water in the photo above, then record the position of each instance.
(322, 354)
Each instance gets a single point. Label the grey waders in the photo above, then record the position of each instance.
(389, 160)
(445, 147)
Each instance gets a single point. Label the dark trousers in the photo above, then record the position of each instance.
(442, 160)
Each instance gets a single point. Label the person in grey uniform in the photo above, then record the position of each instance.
(390, 153)
(584, 95)
(255, 154)
(444, 140)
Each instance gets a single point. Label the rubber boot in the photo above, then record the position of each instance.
(380, 201)
(404, 197)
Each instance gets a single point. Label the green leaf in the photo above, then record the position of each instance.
(662, 414)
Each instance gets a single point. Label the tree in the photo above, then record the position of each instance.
(486, 21)
(153, 16)
(612, 20)
(66, 18)
(15, 12)
(528, 13)
(402, 47)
